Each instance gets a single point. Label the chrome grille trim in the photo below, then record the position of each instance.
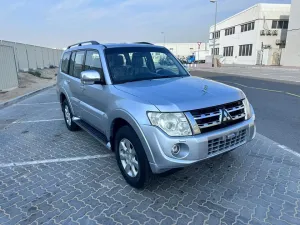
(207, 115)
(207, 118)
(222, 144)
(205, 125)
(238, 116)
(235, 108)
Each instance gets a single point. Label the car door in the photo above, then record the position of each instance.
(75, 68)
(94, 97)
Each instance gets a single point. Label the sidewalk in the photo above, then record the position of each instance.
(209, 66)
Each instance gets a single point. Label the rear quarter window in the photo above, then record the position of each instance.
(65, 62)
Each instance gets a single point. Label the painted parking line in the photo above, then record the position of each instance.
(289, 150)
(288, 93)
(37, 121)
(262, 89)
(36, 162)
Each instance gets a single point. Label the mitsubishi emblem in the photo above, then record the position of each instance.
(224, 116)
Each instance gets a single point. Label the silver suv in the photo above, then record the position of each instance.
(138, 100)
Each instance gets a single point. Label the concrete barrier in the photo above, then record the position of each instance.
(33, 57)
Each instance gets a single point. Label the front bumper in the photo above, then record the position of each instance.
(193, 148)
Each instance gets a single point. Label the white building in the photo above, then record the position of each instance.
(256, 35)
(291, 54)
(185, 49)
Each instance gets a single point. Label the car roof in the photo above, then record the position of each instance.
(120, 45)
(110, 45)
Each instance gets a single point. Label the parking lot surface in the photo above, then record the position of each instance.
(49, 175)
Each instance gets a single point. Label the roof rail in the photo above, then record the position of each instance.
(144, 43)
(84, 42)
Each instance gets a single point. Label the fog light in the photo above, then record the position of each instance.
(176, 149)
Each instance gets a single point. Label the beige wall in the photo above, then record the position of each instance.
(291, 54)
(8, 69)
(32, 57)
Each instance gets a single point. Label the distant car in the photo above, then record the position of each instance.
(195, 59)
(138, 100)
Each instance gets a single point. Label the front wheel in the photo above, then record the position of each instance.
(68, 116)
(131, 157)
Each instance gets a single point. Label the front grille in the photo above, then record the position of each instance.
(221, 144)
(209, 119)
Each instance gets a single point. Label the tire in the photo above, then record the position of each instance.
(140, 174)
(68, 116)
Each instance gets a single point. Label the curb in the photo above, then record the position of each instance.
(20, 98)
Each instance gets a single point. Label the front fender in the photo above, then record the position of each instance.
(125, 115)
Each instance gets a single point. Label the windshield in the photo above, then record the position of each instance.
(128, 64)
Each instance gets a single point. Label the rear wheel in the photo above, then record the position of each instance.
(131, 157)
(68, 116)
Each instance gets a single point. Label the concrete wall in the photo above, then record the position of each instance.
(8, 69)
(291, 54)
(262, 15)
(33, 57)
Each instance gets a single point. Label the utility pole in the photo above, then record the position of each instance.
(214, 34)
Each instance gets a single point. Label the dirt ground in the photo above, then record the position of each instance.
(29, 83)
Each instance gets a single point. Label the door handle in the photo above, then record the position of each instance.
(68, 81)
(82, 87)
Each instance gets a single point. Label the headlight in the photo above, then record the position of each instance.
(174, 124)
(247, 109)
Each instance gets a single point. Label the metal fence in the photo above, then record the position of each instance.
(25, 57)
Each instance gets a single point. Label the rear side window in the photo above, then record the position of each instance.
(92, 61)
(65, 62)
(78, 65)
(72, 62)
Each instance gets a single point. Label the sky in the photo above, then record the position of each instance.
(59, 23)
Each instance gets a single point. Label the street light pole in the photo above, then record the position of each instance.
(214, 34)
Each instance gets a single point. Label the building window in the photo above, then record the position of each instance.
(280, 24)
(215, 52)
(216, 35)
(247, 27)
(245, 50)
(228, 51)
(229, 31)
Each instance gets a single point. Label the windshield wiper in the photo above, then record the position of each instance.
(166, 76)
(133, 80)
(148, 78)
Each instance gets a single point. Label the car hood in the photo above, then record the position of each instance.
(182, 93)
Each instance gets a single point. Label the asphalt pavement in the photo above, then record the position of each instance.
(276, 104)
(49, 175)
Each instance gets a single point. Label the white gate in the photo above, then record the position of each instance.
(8, 69)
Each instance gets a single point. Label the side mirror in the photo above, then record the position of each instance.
(90, 77)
